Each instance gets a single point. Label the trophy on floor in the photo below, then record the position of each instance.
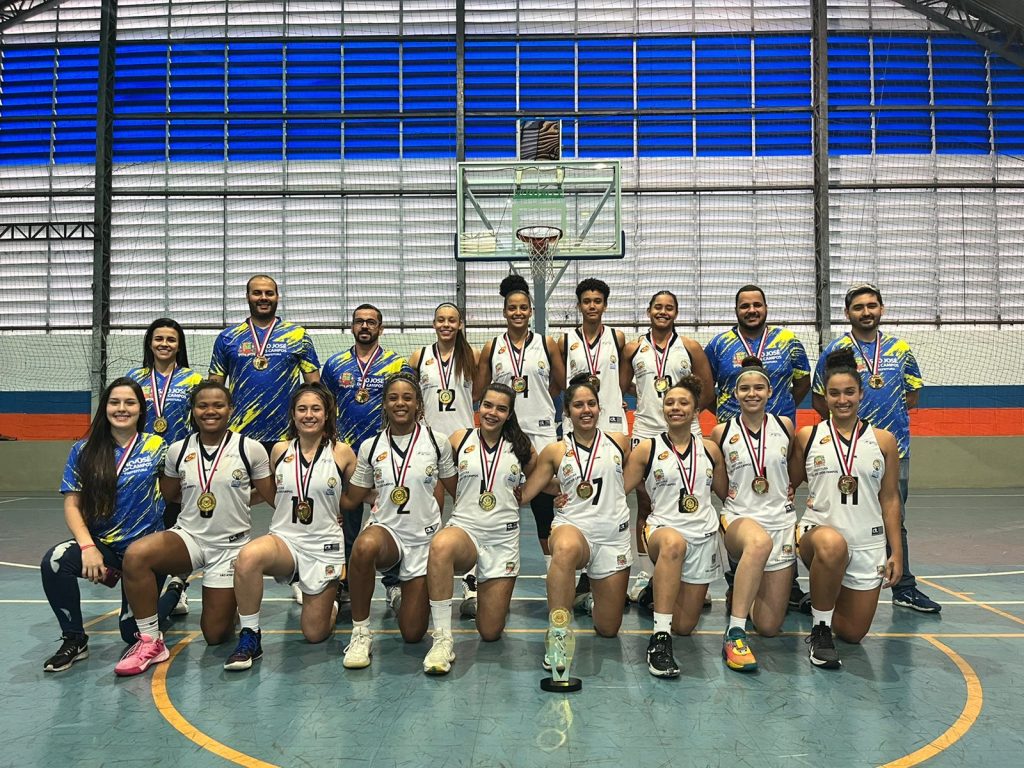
(560, 644)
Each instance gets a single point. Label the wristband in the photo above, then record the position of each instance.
(84, 547)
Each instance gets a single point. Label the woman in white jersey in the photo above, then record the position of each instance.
(591, 529)
(213, 472)
(853, 512)
(679, 470)
(305, 545)
(759, 519)
(650, 365)
(446, 370)
(483, 532)
(530, 364)
(403, 464)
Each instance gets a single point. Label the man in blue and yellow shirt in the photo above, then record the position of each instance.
(264, 359)
(891, 383)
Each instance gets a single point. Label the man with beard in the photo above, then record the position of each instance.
(356, 378)
(891, 382)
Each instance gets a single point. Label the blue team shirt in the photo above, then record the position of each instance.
(358, 421)
(183, 380)
(783, 357)
(885, 408)
(138, 506)
(261, 397)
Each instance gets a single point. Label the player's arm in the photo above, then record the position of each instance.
(719, 478)
(414, 361)
(797, 457)
(800, 388)
(170, 489)
(557, 379)
(92, 559)
(311, 377)
(483, 370)
(447, 473)
(543, 472)
(889, 499)
(626, 366)
(702, 370)
(818, 387)
(913, 398)
(633, 474)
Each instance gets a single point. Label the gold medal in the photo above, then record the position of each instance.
(304, 511)
(519, 383)
(876, 382)
(488, 501)
(160, 425)
(847, 485)
(362, 396)
(661, 384)
(207, 503)
(445, 396)
(760, 485)
(260, 363)
(688, 504)
(584, 490)
(399, 495)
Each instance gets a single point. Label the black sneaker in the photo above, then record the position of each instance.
(646, 597)
(582, 591)
(73, 648)
(799, 600)
(660, 661)
(822, 651)
(248, 650)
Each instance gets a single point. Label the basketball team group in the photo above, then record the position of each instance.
(355, 457)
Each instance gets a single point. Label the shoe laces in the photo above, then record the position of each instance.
(247, 641)
(821, 636)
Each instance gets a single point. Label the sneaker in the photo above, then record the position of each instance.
(645, 599)
(297, 593)
(248, 650)
(394, 597)
(799, 600)
(660, 661)
(912, 597)
(737, 653)
(467, 608)
(359, 649)
(588, 604)
(707, 602)
(439, 658)
(555, 657)
(640, 582)
(146, 651)
(343, 596)
(582, 591)
(73, 648)
(176, 584)
(822, 651)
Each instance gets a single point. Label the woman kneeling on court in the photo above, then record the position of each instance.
(111, 499)
(679, 470)
(852, 473)
(483, 532)
(213, 472)
(305, 543)
(403, 463)
(591, 528)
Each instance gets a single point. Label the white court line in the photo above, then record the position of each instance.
(966, 495)
(20, 498)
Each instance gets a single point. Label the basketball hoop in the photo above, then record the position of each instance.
(542, 244)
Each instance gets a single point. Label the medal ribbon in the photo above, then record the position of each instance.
(490, 472)
(872, 365)
(760, 346)
(517, 359)
(261, 346)
(124, 456)
(364, 370)
(444, 370)
(845, 462)
(687, 474)
(206, 480)
(661, 358)
(400, 473)
(592, 361)
(585, 475)
(302, 481)
(160, 396)
(756, 455)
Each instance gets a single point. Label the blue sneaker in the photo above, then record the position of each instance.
(912, 597)
(246, 652)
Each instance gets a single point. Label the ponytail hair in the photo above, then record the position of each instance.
(576, 383)
(842, 361)
(510, 430)
(691, 384)
(514, 284)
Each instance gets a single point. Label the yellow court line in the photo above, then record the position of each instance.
(102, 617)
(183, 726)
(968, 716)
(962, 596)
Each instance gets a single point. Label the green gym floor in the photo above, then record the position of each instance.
(942, 690)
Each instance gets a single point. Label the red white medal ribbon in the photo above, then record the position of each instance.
(302, 480)
(585, 474)
(206, 480)
(756, 454)
(127, 452)
(444, 370)
(490, 471)
(845, 462)
(687, 474)
(592, 360)
(261, 346)
(364, 369)
(401, 472)
(516, 356)
(160, 396)
(872, 365)
(760, 346)
(661, 358)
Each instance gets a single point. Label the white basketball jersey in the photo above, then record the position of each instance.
(604, 515)
(241, 462)
(534, 407)
(507, 474)
(772, 510)
(380, 466)
(663, 479)
(604, 355)
(858, 516)
(444, 417)
(649, 420)
(321, 533)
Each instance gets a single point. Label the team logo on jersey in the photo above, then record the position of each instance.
(469, 449)
(431, 470)
(784, 451)
(328, 571)
(541, 365)
(825, 440)
(737, 359)
(289, 458)
(378, 474)
(238, 474)
(501, 350)
(279, 479)
(190, 457)
(424, 379)
(347, 379)
(819, 462)
(567, 469)
(732, 491)
(620, 561)
(663, 455)
(246, 349)
(787, 550)
(734, 456)
(430, 361)
(463, 465)
(876, 464)
(734, 439)
(640, 366)
(645, 348)
(514, 470)
(575, 346)
(613, 360)
(659, 475)
(616, 459)
(710, 474)
(332, 482)
(498, 368)
(569, 453)
(510, 568)
(381, 457)
(572, 365)
(880, 570)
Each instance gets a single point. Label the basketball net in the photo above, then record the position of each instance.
(542, 247)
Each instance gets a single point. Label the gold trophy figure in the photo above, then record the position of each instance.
(560, 644)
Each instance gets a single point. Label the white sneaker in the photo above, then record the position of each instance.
(359, 649)
(181, 609)
(640, 582)
(297, 593)
(394, 598)
(439, 658)
(467, 608)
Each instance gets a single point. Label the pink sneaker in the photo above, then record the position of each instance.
(140, 656)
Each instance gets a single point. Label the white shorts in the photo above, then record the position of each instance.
(412, 558)
(701, 563)
(216, 562)
(497, 555)
(605, 559)
(783, 552)
(865, 568)
(313, 572)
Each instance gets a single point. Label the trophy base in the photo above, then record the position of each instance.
(572, 685)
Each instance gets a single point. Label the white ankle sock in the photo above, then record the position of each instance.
(441, 615)
(150, 626)
(250, 621)
(736, 621)
(821, 617)
(662, 622)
